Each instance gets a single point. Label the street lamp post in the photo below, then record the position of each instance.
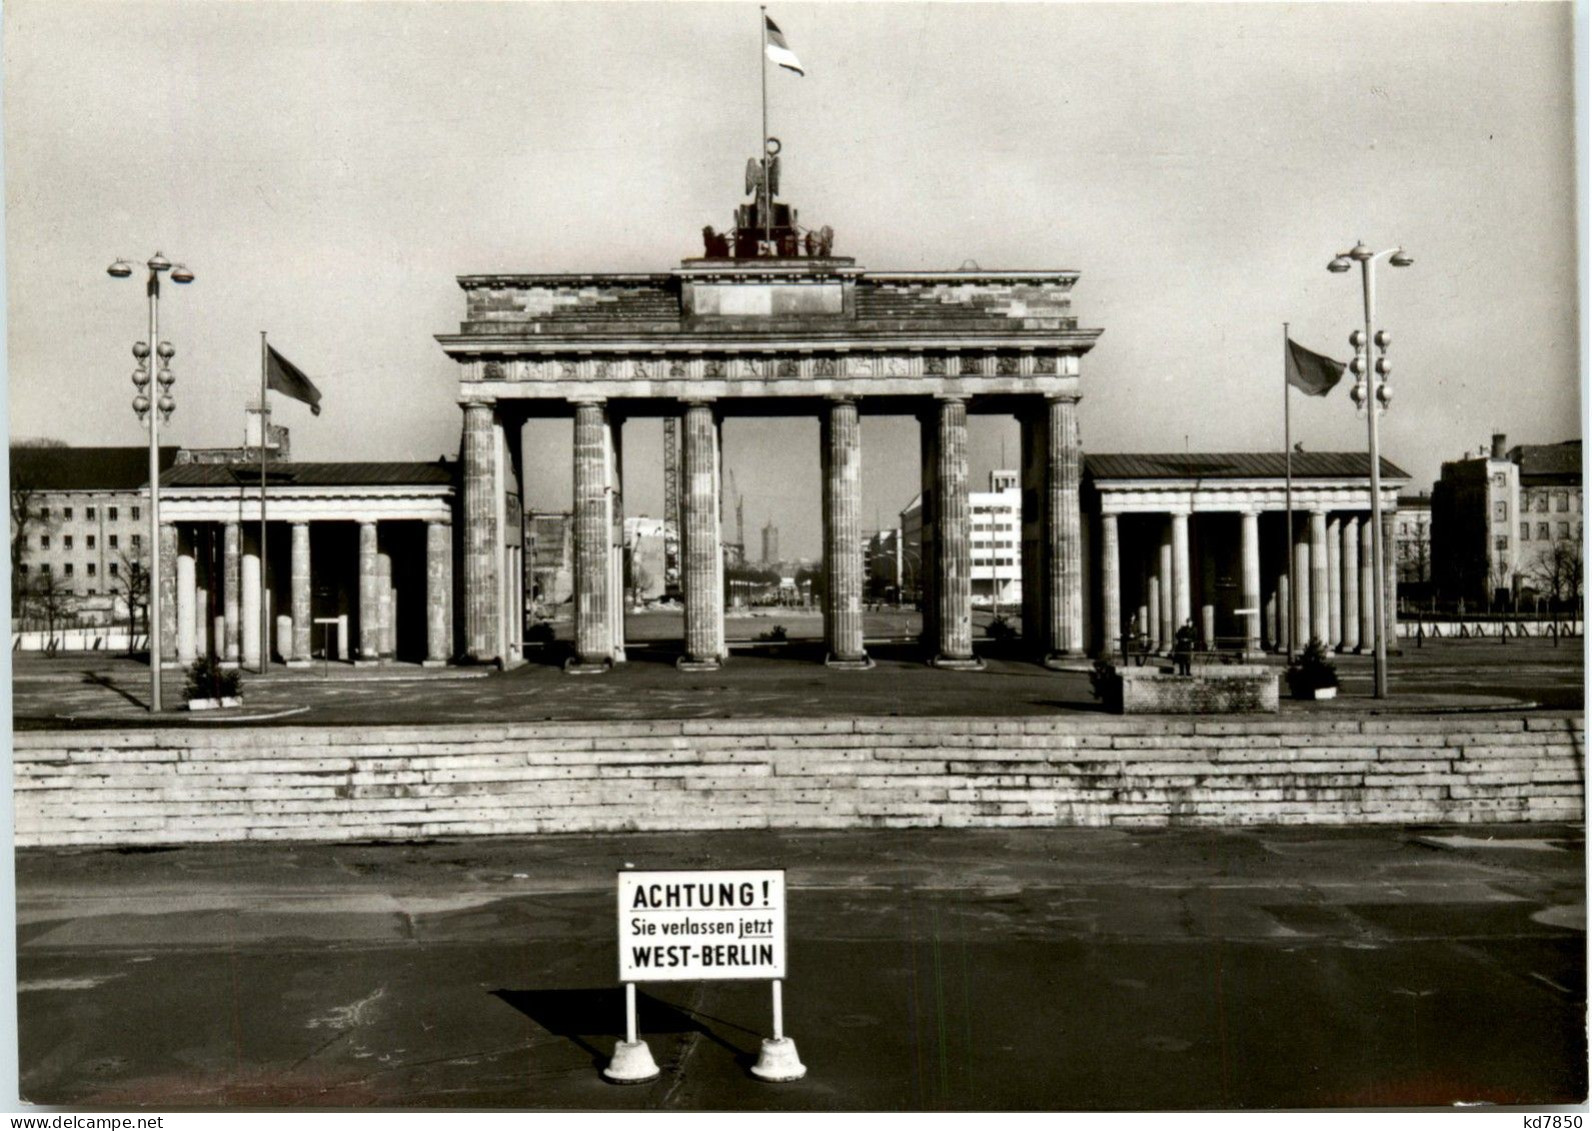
(1372, 394)
(160, 410)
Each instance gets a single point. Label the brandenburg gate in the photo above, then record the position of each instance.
(769, 322)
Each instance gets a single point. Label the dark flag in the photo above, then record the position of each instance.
(286, 378)
(1311, 373)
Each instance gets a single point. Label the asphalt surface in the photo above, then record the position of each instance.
(762, 679)
(1038, 969)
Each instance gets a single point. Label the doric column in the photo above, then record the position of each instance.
(1334, 583)
(187, 600)
(1285, 637)
(439, 593)
(594, 636)
(613, 441)
(701, 556)
(1367, 585)
(481, 534)
(1303, 629)
(1249, 551)
(1202, 535)
(1350, 570)
(1033, 427)
(928, 548)
(1063, 534)
(1320, 627)
(299, 651)
(369, 597)
(168, 594)
(1180, 571)
(1152, 620)
(841, 438)
(252, 596)
(1167, 585)
(204, 589)
(386, 641)
(231, 592)
(1390, 575)
(1110, 585)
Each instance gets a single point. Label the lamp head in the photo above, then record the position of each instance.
(120, 269)
(1339, 265)
(159, 263)
(1401, 258)
(1359, 251)
(181, 274)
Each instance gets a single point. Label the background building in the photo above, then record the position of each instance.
(77, 529)
(770, 543)
(646, 558)
(1414, 543)
(1508, 520)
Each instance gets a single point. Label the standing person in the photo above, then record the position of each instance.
(1183, 647)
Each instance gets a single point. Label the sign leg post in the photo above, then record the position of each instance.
(778, 1061)
(632, 1062)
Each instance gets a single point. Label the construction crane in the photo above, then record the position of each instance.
(738, 547)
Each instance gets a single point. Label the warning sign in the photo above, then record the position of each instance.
(698, 926)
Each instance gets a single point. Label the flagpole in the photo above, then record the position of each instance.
(265, 589)
(1287, 455)
(767, 194)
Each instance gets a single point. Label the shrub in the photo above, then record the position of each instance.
(207, 679)
(1311, 671)
(778, 634)
(1000, 629)
(540, 632)
(1104, 682)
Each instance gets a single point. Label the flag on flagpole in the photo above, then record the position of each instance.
(776, 50)
(1311, 373)
(287, 379)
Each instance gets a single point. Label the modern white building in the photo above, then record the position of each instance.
(995, 539)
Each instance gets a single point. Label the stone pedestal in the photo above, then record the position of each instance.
(953, 550)
(841, 441)
(701, 557)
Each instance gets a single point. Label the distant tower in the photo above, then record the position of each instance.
(770, 543)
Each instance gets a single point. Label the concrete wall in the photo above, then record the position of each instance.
(355, 783)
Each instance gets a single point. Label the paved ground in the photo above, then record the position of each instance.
(762, 679)
(1068, 968)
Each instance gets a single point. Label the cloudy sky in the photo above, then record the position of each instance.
(326, 170)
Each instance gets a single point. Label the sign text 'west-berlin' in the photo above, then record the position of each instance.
(696, 926)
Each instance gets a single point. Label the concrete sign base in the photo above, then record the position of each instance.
(778, 1062)
(632, 1064)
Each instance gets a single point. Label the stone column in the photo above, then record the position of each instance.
(231, 593)
(953, 551)
(300, 650)
(1033, 429)
(386, 641)
(1249, 550)
(1110, 586)
(616, 524)
(1350, 571)
(1303, 628)
(1320, 626)
(594, 636)
(1285, 639)
(1167, 585)
(841, 437)
(252, 596)
(481, 535)
(1202, 533)
(1334, 583)
(928, 548)
(1152, 620)
(187, 601)
(1180, 571)
(1367, 585)
(1390, 576)
(439, 594)
(369, 651)
(168, 594)
(701, 555)
(1063, 534)
(204, 589)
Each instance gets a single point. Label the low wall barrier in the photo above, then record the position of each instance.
(327, 784)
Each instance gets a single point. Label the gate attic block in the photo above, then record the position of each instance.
(811, 336)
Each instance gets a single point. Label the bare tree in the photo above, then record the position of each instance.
(53, 602)
(131, 588)
(1557, 572)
